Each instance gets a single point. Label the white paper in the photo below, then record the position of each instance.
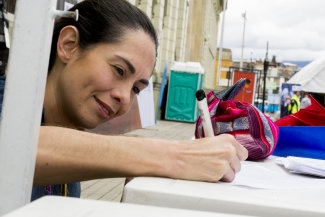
(257, 176)
(304, 165)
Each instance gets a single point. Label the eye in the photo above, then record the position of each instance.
(136, 90)
(119, 70)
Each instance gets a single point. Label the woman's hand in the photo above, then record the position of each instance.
(209, 159)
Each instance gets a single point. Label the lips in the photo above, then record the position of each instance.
(104, 110)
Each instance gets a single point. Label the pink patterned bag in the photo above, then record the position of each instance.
(251, 128)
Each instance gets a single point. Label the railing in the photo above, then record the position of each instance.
(23, 100)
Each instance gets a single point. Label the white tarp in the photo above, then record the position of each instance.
(311, 77)
(146, 106)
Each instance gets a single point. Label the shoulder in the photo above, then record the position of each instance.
(2, 88)
(2, 80)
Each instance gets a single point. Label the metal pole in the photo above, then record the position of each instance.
(23, 100)
(242, 48)
(266, 67)
(251, 61)
(258, 87)
(221, 41)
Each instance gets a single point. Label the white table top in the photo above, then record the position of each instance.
(216, 197)
(54, 206)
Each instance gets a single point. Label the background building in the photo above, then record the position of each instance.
(226, 62)
(202, 35)
(187, 31)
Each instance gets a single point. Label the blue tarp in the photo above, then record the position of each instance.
(304, 141)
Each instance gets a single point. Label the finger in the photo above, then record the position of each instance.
(235, 165)
(229, 175)
(234, 168)
(241, 151)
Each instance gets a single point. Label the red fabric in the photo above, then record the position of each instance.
(251, 128)
(228, 111)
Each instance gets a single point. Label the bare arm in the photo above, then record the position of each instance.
(66, 155)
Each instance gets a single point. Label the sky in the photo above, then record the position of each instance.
(294, 29)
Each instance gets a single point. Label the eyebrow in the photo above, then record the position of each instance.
(127, 62)
(144, 81)
(132, 69)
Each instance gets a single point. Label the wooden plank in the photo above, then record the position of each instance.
(114, 194)
(102, 184)
(87, 184)
(103, 189)
(118, 198)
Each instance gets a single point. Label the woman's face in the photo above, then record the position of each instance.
(101, 84)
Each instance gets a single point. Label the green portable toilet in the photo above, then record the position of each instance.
(184, 80)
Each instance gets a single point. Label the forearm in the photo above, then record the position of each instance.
(66, 155)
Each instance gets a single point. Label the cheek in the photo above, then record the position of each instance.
(125, 108)
(101, 83)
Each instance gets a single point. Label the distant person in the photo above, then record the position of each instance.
(305, 101)
(285, 101)
(285, 106)
(294, 106)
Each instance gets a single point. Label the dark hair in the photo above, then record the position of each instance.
(103, 21)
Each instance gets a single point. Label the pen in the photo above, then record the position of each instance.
(204, 112)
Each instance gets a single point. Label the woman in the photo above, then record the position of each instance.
(97, 67)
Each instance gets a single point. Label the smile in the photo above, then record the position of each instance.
(104, 110)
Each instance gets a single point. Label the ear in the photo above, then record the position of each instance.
(67, 43)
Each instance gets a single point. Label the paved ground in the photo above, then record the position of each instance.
(103, 189)
(112, 189)
(274, 116)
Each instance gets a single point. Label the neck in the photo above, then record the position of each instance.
(54, 115)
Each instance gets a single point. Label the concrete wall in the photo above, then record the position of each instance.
(202, 32)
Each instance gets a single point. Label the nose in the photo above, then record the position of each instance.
(122, 95)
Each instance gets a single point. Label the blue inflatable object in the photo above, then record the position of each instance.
(304, 141)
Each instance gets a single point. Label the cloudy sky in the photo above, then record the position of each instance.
(295, 29)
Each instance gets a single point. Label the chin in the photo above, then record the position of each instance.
(88, 125)
(92, 124)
